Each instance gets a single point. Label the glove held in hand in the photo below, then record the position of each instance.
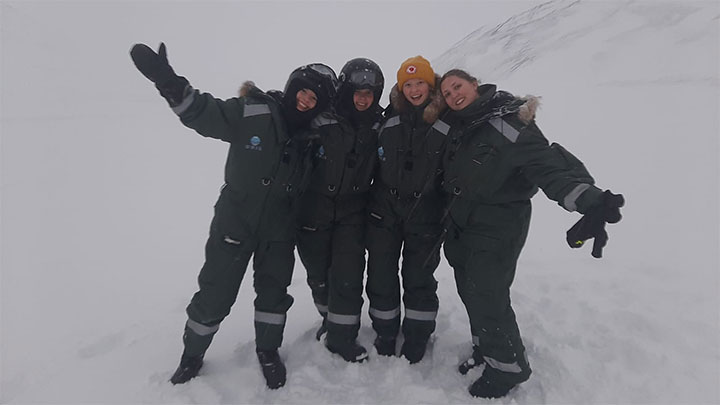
(592, 224)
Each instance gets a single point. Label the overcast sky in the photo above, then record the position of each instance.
(241, 31)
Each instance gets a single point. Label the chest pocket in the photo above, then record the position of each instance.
(292, 172)
(469, 168)
(257, 124)
(429, 147)
(362, 161)
(332, 155)
(329, 162)
(389, 150)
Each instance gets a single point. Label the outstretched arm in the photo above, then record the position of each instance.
(208, 116)
(564, 179)
(156, 68)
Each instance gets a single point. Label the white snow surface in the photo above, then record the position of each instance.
(106, 200)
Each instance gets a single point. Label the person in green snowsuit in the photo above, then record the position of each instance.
(404, 213)
(266, 170)
(495, 160)
(331, 239)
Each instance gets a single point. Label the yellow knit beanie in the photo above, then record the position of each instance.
(416, 67)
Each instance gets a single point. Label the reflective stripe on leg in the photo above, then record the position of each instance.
(200, 329)
(270, 318)
(420, 315)
(343, 319)
(385, 315)
(506, 367)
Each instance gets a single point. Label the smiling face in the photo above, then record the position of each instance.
(306, 100)
(458, 92)
(416, 91)
(363, 99)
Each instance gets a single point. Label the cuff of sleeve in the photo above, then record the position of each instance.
(587, 199)
(188, 98)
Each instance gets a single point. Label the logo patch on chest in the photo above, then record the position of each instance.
(254, 143)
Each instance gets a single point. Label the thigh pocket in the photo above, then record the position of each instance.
(231, 220)
(477, 250)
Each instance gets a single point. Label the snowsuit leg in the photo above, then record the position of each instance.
(273, 264)
(346, 283)
(314, 251)
(484, 259)
(383, 284)
(419, 284)
(219, 280)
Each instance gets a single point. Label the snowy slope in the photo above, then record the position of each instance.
(106, 201)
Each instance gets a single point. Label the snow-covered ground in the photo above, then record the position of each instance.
(106, 199)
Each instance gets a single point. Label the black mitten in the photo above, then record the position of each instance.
(592, 224)
(156, 68)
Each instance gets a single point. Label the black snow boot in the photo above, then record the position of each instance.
(485, 388)
(474, 361)
(273, 368)
(350, 351)
(385, 345)
(188, 369)
(414, 350)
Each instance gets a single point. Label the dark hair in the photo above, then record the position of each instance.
(459, 73)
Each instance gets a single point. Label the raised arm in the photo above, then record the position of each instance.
(208, 116)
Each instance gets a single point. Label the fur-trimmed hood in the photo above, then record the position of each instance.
(526, 112)
(431, 112)
(491, 99)
(246, 88)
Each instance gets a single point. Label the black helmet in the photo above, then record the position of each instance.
(317, 77)
(361, 73)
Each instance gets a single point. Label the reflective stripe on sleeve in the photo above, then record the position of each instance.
(321, 120)
(269, 317)
(386, 315)
(187, 101)
(201, 329)
(506, 129)
(506, 367)
(343, 319)
(256, 109)
(392, 122)
(476, 340)
(571, 198)
(420, 315)
(442, 127)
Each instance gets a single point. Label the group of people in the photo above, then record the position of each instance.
(321, 166)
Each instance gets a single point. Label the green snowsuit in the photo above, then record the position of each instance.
(265, 171)
(404, 218)
(331, 239)
(494, 163)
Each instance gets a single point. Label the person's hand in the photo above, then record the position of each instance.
(592, 224)
(156, 68)
(152, 65)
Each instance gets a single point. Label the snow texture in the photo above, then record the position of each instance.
(106, 200)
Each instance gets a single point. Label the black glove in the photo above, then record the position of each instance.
(156, 68)
(592, 224)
